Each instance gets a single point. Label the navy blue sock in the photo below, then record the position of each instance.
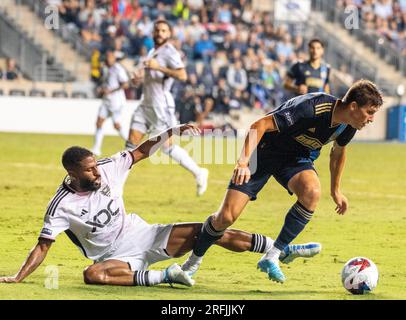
(296, 219)
(207, 237)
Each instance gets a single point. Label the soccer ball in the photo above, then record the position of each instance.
(359, 275)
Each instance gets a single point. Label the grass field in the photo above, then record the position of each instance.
(375, 225)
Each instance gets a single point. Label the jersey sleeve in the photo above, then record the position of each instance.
(55, 222)
(345, 137)
(122, 162)
(174, 59)
(122, 75)
(300, 116)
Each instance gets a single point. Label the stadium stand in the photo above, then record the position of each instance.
(237, 53)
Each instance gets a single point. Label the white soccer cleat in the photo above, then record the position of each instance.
(174, 274)
(293, 251)
(201, 181)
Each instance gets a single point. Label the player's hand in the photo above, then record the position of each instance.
(190, 129)
(152, 64)
(302, 89)
(241, 174)
(341, 201)
(12, 279)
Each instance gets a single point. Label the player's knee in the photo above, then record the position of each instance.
(225, 217)
(92, 275)
(310, 196)
(117, 126)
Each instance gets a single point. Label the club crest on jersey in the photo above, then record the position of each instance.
(106, 191)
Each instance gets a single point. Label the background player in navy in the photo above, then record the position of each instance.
(311, 75)
(285, 143)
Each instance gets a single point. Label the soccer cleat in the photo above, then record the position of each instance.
(201, 181)
(191, 268)
(174, 274)
(293, 251)
(272, 269)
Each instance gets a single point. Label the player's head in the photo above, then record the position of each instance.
(162, 32)
(362, 101)
(110, 58)
(316, 49)
(81, 166)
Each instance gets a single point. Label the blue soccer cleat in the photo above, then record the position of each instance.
(272, 269)
(293, 251)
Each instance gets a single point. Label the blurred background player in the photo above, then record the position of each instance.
(311, 75)
(114, 82)
(283, 144)
(156, 111)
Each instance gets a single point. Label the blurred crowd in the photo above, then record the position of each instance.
(386, 18)
(235, 56)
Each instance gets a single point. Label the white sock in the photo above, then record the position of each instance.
(98, 139)
(182, 157)
(148, 277)
(192, 260)
(273, 254)
(123, 133)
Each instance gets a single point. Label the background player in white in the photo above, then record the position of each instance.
(112, 92)
(89, 207)
(156, 111)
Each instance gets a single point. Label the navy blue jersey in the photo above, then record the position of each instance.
(314, 79)
(304, 125)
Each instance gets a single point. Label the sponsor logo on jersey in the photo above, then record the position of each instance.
(106, 191)
(309, 142)
(103, 217)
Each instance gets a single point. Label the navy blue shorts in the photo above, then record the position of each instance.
(283, 169)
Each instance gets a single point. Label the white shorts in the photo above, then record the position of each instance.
(142, 244)
(153, 120)
(105, 111)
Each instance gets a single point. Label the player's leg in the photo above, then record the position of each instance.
(235, 200)
(180, 156)
(116, 116)
(306, 185)
(184, 235)
(98, 137)
(119, 273)
(138, 128)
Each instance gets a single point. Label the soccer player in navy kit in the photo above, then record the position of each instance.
(311, 75)
(284, 144)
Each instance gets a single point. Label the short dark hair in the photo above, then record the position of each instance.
(315, 40)
(363, 92)
(159, 21)
(73, 155)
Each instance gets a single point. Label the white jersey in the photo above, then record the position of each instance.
(115, 77)
(157, 86)
(95, 221)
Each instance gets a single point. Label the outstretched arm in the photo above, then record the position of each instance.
(150, 146)
(337, 161)
(35, 258)
(257, 130)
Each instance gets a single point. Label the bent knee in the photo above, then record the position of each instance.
(310, 197)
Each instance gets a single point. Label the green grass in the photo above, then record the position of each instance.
(375, 225)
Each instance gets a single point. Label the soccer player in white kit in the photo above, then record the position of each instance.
(156, 111)
(114, 100)
(88, 206)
